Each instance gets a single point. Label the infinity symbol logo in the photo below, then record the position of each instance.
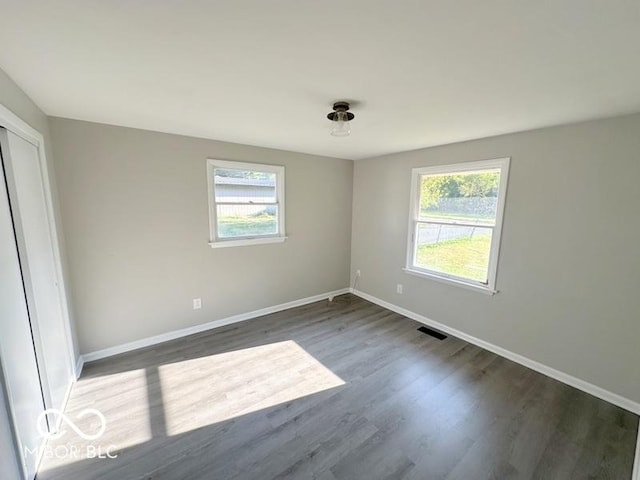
(42, 424)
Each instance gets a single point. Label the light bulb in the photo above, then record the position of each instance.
(341, 127)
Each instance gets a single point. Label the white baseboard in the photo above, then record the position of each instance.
(79, 365)
(575, 382)
(63, 407)
(164, 337)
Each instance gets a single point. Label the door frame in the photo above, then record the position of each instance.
(16, 125)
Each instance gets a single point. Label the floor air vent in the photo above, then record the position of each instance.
(433, 333)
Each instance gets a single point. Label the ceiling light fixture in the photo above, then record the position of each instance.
(340, 118)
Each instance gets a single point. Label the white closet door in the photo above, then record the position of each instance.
(16, 347)
(31, 221)
(8, 458)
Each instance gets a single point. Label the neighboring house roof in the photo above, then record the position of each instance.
(253, 182)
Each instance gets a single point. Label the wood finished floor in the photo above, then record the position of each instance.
(335, 391)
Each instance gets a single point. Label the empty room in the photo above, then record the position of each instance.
(331, 240)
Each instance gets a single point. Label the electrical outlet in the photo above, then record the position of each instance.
(357, 273)
(399, 288)
(197, 303)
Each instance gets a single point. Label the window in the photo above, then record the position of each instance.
(456, 219)
(246, 203)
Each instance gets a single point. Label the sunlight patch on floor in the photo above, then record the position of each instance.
(121, 430)
(212, 389)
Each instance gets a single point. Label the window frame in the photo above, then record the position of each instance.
(414, 220)
(214, 240)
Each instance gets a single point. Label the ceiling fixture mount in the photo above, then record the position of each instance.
(341, 118)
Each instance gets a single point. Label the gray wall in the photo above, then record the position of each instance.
(136, 218)
(569, 268)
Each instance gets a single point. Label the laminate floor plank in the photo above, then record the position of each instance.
(341, 390)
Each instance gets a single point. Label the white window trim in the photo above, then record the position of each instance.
(216, 242)
(414, 208)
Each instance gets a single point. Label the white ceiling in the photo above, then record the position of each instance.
(266, 72)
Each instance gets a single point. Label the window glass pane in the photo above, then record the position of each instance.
(244, 186)
(465, 197)
(454, 250)
(247, 220)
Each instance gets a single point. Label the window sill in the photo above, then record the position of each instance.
(450, 281)
(246, 242)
